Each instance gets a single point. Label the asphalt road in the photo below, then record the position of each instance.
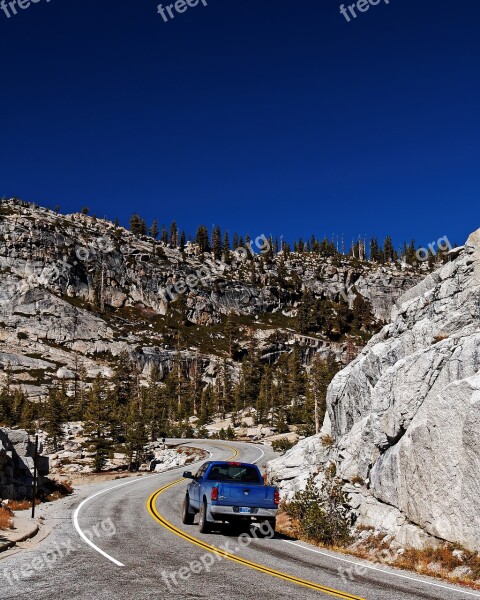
(125, 539)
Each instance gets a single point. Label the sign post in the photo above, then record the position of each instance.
(34, 494)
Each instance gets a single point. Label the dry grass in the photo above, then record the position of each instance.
(6, 518)
(285, 524)
(20, 504)
(439, 562)
(327, 441)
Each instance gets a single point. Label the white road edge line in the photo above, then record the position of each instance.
(79, 507)
(384, 571)
(261, 455)
(80, 532)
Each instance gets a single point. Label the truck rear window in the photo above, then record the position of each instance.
(234, 474)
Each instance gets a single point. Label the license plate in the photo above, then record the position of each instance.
(244, 510)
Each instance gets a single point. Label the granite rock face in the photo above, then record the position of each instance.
(76, 292)
(405, 415)
(16, 465)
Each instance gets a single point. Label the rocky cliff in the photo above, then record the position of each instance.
(76, 292)
(403, 419)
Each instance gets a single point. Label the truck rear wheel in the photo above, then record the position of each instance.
(203, 525)
(267, 528)
(188, 515)
(273, 525)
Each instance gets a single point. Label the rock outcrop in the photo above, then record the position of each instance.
(405, 415)
(16, 465)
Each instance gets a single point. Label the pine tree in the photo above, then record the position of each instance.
(226, 242)
(306, 312)
(374, 250)
(138, 225)
(6, 417)
(281, 424)
(154, 230)
(183, 241)
(388, 251)
(251, 376)
(264, 401)
(19, 401)
(295, 383)
(269, 250)
(136, 437)
(195, 385)
(164, 236)
(207, 406)
(363, 317)
(202, 239)
(153, 404)
(342, 319)
(224, 390)
(230, 335)
(217, 243)
(173, 235)
(282, 273)
(97, 424)
(176, 389)
(230, 433)
(124, 378)
(27, 416)
(320, 375)
(55, 416)
(410, 253)
(181, 306)
(80, 398)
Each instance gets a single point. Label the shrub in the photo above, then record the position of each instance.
(6, 518)
(358, 479)
(282, 445)
(322, 515)
(56, 489)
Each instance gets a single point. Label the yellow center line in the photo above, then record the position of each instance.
(243, 561)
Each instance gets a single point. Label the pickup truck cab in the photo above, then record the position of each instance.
(230, 492)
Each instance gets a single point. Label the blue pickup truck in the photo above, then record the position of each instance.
(230, 492)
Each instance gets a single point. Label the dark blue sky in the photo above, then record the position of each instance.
(264, 116)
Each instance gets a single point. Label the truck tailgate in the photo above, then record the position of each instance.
(244, 494)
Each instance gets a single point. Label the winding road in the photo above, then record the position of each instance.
(126, 540)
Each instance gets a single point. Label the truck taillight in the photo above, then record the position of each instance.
(214, 494)
(276, 497)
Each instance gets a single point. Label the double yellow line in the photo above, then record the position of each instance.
(242, 561)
